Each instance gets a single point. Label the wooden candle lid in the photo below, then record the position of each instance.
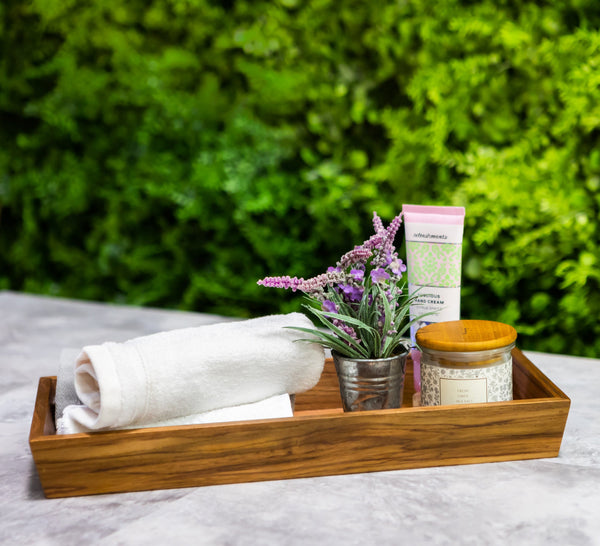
(466, 335)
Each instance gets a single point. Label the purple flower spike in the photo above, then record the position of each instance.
(358, 255)
(281, 282)
(392, 229)
(377, 223)
(379, 275)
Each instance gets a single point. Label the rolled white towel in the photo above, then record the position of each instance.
(78, 418)
(194, 370)
(65, 394)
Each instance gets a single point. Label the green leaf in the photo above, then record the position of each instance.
(332, 342)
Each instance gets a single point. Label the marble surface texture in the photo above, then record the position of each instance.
(545, 501)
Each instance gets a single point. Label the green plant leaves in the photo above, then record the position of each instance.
(170, 153)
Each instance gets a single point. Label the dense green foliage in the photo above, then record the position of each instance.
(173, 152)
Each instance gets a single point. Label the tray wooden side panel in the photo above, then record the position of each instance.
(312, 443)
(530, 382)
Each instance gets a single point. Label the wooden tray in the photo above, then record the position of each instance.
(319, 440)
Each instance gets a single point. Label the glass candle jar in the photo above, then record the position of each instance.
(466, 362)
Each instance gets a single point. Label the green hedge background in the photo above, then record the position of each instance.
(171, 152)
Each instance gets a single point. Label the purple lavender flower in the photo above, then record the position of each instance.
(374, 241)
(377, 223)
(362, 277)
(345, 328)
(392, 229)
(320, 281)
(281, 282)
(382, 242)
(398, 267)
(314, 286)
(379, 275)
(358, 274)
(395, 264)
(329, 306)
(353, 293)
(357, 255)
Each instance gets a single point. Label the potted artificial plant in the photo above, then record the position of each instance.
(363, 305)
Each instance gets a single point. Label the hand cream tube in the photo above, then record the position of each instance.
(434, 238)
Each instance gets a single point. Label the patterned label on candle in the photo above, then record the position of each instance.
(497, 378)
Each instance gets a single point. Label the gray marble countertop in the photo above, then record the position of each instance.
(544, 501)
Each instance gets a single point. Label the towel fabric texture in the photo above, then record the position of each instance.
(190, 371)
(65, 383)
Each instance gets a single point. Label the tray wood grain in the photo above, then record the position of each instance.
(319, 440)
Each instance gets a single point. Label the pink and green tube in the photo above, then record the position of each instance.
(434, 238)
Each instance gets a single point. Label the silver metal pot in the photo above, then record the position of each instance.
(371, 384)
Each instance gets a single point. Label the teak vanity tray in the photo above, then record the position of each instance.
(319, 440)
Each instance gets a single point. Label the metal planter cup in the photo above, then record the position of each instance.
(371, 384)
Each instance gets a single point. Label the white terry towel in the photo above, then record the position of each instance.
(65, 394)
(194, 370)
(78, 418)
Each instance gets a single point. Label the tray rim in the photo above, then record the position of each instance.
(312, 443)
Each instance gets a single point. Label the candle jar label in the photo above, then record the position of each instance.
(463, 391)
(466, 385)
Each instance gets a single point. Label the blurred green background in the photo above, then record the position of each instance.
(172, 152)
